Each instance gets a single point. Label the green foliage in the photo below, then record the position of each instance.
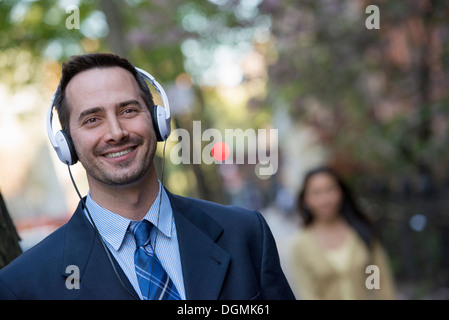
(327, 55)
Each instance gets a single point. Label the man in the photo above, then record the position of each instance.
(153, 244)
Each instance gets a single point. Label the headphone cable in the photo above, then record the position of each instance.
(158, 214)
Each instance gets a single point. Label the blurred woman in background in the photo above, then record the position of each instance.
(337, 243)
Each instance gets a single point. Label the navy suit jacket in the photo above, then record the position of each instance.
(226, 253)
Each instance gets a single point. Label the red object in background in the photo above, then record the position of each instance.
(220, 151)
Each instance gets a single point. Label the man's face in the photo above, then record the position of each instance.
(110, 126)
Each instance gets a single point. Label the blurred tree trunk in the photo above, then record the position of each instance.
(116, 38)
(9, 238)
(208, 179)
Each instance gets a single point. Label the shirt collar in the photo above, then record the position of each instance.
(165, 216)
(113, 227)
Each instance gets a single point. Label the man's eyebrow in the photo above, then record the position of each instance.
(89, 111)
(127, 102)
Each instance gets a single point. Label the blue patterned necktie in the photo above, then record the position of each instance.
(154, 282)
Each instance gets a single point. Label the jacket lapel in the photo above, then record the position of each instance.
(204, 263)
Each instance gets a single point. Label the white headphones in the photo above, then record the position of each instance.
(64, 147)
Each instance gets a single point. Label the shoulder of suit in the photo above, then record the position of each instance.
(217, 211)
(206, 204)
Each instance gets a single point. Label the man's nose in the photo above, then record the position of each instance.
(116, 130)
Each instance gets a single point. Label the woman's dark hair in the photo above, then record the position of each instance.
(80, 63)
(349, 209)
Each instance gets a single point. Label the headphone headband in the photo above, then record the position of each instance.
(64, 147)
(158, 88)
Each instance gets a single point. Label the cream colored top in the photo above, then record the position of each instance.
(339, 273)
(340, 259)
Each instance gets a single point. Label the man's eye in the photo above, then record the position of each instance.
(129, 112)
(91, 121)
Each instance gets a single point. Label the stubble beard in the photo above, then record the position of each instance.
(124, 173)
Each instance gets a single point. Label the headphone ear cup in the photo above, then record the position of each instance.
(66, 149)
(160, 123)
(155, 123)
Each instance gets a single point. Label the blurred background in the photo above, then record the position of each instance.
(373, 103)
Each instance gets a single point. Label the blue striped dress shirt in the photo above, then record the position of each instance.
(114, 231)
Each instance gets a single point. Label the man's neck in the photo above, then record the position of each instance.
(130, 201)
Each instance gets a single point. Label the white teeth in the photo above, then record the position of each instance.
(118, 154)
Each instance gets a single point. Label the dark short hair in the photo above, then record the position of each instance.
(79, 63)
(350, 211)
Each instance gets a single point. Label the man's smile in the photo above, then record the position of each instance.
(119, 153)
